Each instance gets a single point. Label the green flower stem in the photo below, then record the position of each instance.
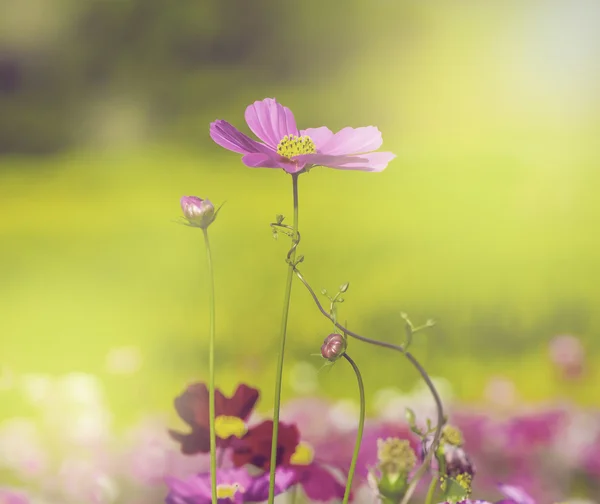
(424, 467)
(284, 319)
(361, 425)
(431, 490)
(211, 371)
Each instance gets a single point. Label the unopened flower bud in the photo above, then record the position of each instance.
(198, 212)
(333, 347)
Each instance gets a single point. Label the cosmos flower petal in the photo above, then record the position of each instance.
(192, 405)
(260, 160)
(259, 489)
(270, 121)
(240, 404)
(372, 162)
(516, 494)
(230, 138)
(320, 485)
(196, 489)
(255, 447)
(353, 141)
(198, 441)
(319, 136)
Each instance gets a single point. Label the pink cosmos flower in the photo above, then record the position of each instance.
(10, 496)
(285, 146)
(233, 486)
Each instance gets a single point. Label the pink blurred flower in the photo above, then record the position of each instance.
(568, 355)
(152, 455)
(284, 146)
(11, 496)
(236, 485)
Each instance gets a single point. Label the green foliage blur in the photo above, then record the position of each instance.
(486, 221)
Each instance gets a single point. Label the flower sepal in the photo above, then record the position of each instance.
(392, 486)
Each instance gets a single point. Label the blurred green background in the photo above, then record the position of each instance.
(486, 221)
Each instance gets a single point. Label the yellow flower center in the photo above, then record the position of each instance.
(395, 456)
(452, 435)
(228, 491)
(227, 426)
(465, 480)
(293, 145)
(303, 455)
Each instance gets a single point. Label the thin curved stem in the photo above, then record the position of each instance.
(361, 426)
(398, 348)
(284, 319)
(211, 371)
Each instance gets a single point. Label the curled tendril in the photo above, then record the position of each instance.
(289, 231)
(441, 419)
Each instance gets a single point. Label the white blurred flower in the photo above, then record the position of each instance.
(80, 389)
(123, 360)
(80, 480)
(74, 410)
(36, 387)
(579, 433)
(21, 449)
(391, 404)
(344, 415)
(501, 392)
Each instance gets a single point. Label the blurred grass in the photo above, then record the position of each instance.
(485, 221)
(91, 259)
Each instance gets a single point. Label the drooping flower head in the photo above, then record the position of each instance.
(231, 414)
(198, 212)
(333, 347)
(285, 146)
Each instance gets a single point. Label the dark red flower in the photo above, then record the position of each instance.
(255, 447)
(192, 407)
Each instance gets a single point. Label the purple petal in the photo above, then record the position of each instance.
(231, 139)
(259, 489)
(516, 494)
(260, 160)
(320, 136)
(374, 161)
(10, 496)
(353, 141)
(197, 490)
(270, 121)
(320, 485)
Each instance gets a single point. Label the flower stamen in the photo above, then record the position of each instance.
(228, 491)
(292, 145)
(303, 455)
(227, 426)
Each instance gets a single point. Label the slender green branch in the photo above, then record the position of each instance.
(431, 491)
(361, 426)
(420, 472)
(284, 319)
(211, 371)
